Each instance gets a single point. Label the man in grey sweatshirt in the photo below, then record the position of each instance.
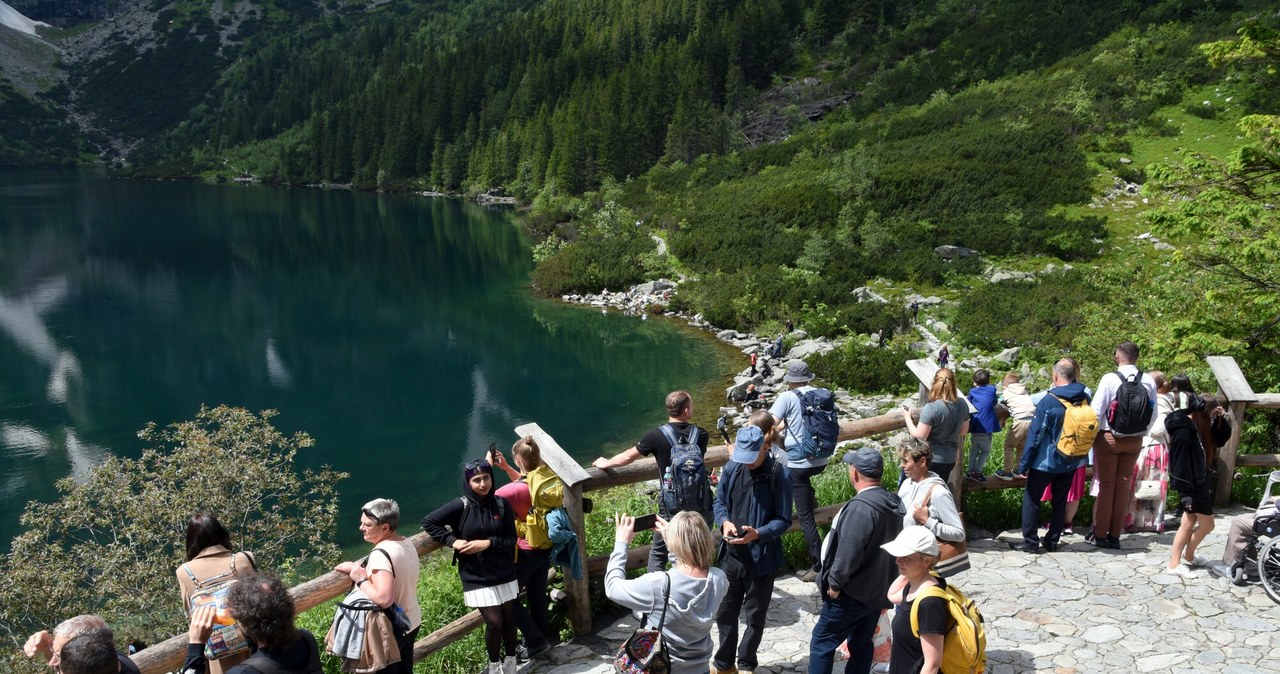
(856, 572)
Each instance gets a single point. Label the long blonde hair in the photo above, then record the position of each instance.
(944, 386)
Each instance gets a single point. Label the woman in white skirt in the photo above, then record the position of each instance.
(482, 532)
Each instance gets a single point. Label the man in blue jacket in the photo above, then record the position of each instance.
(753, 510)
(1044, 465)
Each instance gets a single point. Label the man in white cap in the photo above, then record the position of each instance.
(788, 419)
(753, 511)
(855, 570)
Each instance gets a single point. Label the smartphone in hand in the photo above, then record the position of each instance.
(493, 453)
(646, 522)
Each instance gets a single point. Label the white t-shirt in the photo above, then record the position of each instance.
(1107, 392)
(405, 558)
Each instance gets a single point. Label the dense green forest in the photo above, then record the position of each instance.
(786, 151)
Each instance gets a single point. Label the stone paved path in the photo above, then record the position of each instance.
(1079, 610)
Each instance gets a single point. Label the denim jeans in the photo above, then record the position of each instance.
(979, 451)
(805, 502)
(843, 619)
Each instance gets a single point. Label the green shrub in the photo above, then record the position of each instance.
(1048, 311)
(857, 367)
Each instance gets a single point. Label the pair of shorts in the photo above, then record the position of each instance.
(1198, 501)
(490, 596)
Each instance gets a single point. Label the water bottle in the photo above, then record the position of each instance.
(666, 479)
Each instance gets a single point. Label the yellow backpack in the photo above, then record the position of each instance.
(964, 648)
(1079, 428)
(546, 493)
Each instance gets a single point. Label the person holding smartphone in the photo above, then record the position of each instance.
(752, 510)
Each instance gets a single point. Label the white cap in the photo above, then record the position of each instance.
(913, 539)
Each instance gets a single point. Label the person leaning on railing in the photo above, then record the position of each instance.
(210, 558)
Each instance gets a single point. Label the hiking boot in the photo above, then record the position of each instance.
(717, 670)
(1049, 547)
(1029, 548)
(1004, 475)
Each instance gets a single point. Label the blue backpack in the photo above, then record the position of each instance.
(690, 485)
(817, 440)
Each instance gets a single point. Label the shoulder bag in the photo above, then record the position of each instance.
(953, 557)
(644, 652)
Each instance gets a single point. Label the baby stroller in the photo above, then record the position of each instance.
(1261, 556)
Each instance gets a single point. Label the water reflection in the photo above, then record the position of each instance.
(395, 330)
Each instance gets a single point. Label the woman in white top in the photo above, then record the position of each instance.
(390, 574)
(926, 496)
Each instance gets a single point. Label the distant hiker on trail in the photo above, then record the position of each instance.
(790, 326)
(944, 356)
(915, 310)
(777, 346)
(765, 370)
(690, 488)
(754, 357)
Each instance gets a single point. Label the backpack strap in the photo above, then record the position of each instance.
(669, 432)
(925, 593)
(365, 563)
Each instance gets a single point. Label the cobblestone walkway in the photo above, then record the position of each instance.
(1079, 610)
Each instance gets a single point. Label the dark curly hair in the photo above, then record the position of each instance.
(88, 654)
(264, 609)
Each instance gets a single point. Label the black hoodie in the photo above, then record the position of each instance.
(852, 560)
(474, 517)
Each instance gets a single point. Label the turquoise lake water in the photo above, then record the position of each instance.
(398, 331)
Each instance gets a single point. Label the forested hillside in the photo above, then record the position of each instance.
(787, 151)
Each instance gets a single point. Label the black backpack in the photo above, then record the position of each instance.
(1130, 411)
(821, 427)
(690, 486)
(263, 664)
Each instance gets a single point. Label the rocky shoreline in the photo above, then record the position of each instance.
(655, 297)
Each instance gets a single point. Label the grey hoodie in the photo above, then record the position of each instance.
(944, 519)
(691, 608)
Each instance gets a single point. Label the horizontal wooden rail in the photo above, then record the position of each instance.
(1267, 400)
(1258, 460)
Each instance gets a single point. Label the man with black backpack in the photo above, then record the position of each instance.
(805, 417)
(1125, 405)
(679, 448)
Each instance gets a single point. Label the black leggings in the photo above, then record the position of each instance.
(499, 630)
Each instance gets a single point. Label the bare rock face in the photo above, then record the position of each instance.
(954, 252)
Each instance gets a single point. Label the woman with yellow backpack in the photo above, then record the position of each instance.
(936, 629)
(533, 492)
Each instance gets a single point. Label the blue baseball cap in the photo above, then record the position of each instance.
(748, 444)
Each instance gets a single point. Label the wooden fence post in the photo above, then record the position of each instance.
(1233, 385)
(573, 475)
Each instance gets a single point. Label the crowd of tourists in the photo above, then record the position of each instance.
(717, 542)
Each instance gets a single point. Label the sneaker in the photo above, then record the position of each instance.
(536, 651)
(977, 476)
(1182, 571)
(1221, 570)
(1019, 476)
(1004, 475)
(717, 670)
(808, 575)
(1196, 562)
(1029, 548)
(1049, 547)
(522, 655)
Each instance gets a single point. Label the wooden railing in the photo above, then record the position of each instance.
(168, 655)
